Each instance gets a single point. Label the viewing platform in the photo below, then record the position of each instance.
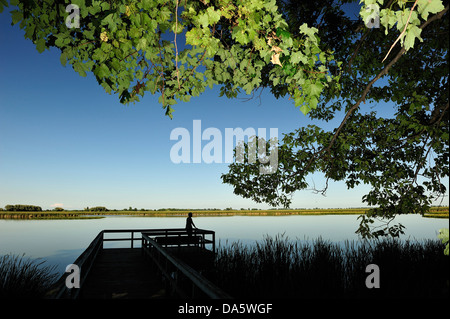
(167, 263)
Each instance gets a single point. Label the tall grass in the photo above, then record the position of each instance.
(23, 278)
(282, 268)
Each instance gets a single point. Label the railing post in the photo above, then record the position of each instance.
(132, 238)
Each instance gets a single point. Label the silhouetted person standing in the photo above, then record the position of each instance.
(189, 224)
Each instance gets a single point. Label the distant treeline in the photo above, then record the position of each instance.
(183, 209)
(33, 208)
(23, 208)
(96, 209)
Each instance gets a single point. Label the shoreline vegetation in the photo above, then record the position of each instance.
(22, 277)
(281, 268)
(434, 212)
(278, 267)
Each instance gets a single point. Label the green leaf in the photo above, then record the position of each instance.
(299, 100)
(204, 20)
(310, 32)
(193, 37)
(297, 57)
(412, 33)
(104, 5)
(283, 34)
(425, 7)
(316, 88)
(322, 57)
(305, 109)
(387, 19)
(170, 110)
(214, 16)
(99, 55)
(142, 44)
(403, 16)
(111, 22)
(240, 35)
(78, 67)
(151, 86)
(59, 42)
(16, 16)
(63, 59)
(102, 71)
(40, 45)
(147, 4)
(313, 101)
(115, 64)
(288, 68)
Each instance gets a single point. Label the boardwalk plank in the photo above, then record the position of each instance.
(122, 273)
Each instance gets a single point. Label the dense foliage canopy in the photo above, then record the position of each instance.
(404, 157)
(178, 48)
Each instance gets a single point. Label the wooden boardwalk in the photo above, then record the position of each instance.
(122, 273)
(168, 264)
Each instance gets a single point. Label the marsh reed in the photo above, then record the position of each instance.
(24, 278)
(278, 267)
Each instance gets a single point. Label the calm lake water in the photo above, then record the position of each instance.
(60, 242)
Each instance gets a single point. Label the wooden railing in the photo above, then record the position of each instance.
(84, 262)
(184, 280)
(203, 238)
(178, 273)
(132, 237)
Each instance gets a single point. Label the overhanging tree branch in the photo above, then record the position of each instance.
(371, 83)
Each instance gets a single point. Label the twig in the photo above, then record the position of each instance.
(403, 32)
(176, 47)
(86, 43)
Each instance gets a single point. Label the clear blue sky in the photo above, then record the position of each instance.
(65, 142)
